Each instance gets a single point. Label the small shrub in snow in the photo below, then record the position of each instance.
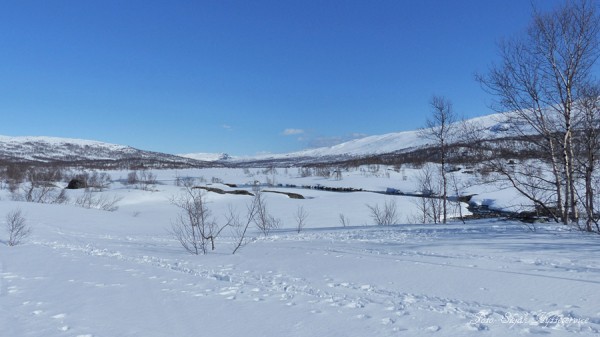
(194, 228)
(184, 181)
(96, 200)
(239, 227)
(257, 213)
(301, 216)
(132, 178)
(17, 227)
(388, 215)
(264, 221)
(45, 193)
(344, 220)
(143, 180)
(99, 181)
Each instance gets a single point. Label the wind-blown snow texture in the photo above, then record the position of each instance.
(93, 273)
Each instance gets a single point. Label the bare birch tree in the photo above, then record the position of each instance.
(301, 216)
(263, 220)
(17, 227)
(587, 141)
(541, 76)
(194, 228)
(441, 128)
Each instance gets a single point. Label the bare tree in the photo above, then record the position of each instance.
(429, 205)
(98, 181)
(388, 215)
(240, 227)
(146, 180)
(301, 216)
(44, 193)
(256, 212)
(90, 199)
(338, 173)
(184, 181)
(17, 227)
(344, 220)
(587, 141)
(132, 178)
(264, 221)
(542, 76)
(194, 226)
(441, 128)
(457, 188)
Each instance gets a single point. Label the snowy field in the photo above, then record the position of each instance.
(87, 272)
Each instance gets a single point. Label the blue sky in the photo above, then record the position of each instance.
(243, 77)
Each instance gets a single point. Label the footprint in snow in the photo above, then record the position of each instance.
(433, 328)
(387, 321)
(477, 327)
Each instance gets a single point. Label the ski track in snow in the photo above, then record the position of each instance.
(376, 303)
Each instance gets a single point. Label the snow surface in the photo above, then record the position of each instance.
(86, 272)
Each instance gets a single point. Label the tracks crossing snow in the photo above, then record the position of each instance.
(387, 305)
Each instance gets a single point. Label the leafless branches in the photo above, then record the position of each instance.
(194, 227)
(441, 128)
(388, 215)
(16, 227)
(301, 216)
(542, 77)
(263, 220)
(90, 199)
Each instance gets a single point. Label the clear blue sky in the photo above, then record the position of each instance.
(242, 77)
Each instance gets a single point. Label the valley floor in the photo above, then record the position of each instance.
(93, 273)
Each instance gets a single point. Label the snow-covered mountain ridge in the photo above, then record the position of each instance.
(66, 150)
(54, 149)
(492, 126)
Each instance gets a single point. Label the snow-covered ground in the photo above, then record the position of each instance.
(87, 272)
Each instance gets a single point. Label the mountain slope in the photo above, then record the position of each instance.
(77, 151)
(67, 150)
(489, 127)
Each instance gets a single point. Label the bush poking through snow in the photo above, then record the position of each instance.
(264, 221)
(17, 227)
(386, 216)
(143, 180)
(301, 216)
(91, 199)
(194, 227)
(239, 227)
(42, 193)
(344, 220)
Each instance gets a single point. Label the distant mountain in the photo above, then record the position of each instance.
(67, 151)
(210, 157)
(490, 127)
